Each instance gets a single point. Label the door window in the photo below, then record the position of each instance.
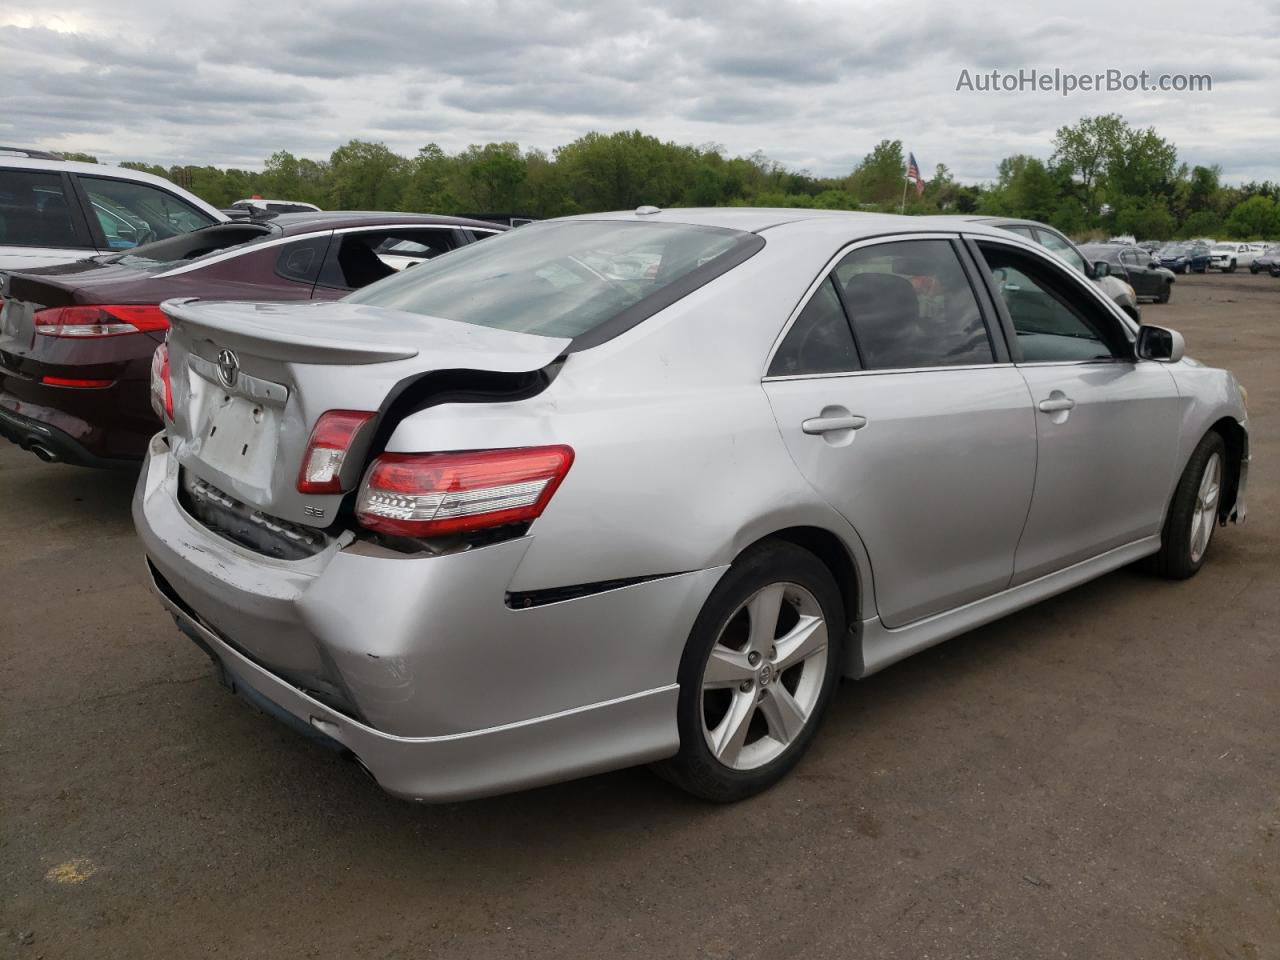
(1056, 244)
(911, 305)
(131, 214)
(819, 341)
(34, 211)
(369, 255)
(1051, 315)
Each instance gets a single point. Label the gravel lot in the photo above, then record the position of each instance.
(1098, 776)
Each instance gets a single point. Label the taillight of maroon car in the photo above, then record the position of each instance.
(100, 321)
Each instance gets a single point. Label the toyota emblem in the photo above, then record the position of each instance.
(228, 367)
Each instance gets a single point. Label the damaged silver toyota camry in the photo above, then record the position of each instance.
(642, 487)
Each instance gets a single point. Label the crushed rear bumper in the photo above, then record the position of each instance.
(418, 666)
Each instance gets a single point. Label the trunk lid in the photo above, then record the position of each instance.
(250, 380)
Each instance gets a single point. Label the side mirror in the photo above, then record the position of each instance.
(1101, 269)
(1160, 344)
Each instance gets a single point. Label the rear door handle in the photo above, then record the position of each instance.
(1056, 404)
(820, 425)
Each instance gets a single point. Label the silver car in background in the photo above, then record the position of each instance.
(641, 487)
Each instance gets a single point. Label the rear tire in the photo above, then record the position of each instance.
(762, 662)
(1193, 512)
(1165, 292)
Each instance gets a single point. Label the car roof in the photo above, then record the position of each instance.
(304, 221)
(757, 219)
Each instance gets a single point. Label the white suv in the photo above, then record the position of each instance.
(1227, 256)
(55, 211)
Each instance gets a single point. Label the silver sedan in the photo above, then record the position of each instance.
(642, 487)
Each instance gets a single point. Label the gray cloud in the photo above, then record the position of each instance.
(814, 85)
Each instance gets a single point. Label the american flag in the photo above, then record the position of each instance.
(913, 173)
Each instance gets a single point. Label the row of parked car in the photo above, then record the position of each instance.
(1200, 256)
(631, 487)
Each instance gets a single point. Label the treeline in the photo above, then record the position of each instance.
(1102, 175)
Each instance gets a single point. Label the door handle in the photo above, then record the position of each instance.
(820, 425)
(1055, 404)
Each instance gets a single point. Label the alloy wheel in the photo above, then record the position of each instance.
(1205, 516)
(764, 676)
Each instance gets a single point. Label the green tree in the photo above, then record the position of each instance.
(1203, 224)
(365, 176)
(1083, 151)
(1147, 219)
(881, 175)
(1257, 218)
(1025, 187)
(491, 178)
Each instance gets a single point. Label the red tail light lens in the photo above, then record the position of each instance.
(76, 383)
(327, 450)
(161, 387)
(429, 494)
(99, 321)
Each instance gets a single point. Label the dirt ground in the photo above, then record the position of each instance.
(1096, 777)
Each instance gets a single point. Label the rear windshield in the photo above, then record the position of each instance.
(565, 279)
(187, 247)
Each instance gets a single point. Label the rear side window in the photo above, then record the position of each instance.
(911, 305)
(587, 279)
(819, 341)
(131, 214)
(34, 211)
(301, 259)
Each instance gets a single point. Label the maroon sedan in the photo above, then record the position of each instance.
(77, 340)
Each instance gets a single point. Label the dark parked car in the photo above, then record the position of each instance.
(1185, 257)
(1134, 265)
(1268, 260)
(77, 340)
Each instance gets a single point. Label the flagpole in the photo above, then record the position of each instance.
(902, 207)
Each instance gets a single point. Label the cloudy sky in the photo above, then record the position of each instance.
(813, 85)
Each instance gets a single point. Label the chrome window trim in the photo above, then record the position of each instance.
(826, 272)
(891, 371)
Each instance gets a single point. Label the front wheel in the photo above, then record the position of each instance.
(1254, 268)
(1193, 513)
(1165, 291)
(1231, 268)
(761, 664)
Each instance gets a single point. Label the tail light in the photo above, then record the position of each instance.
(327, 450)
(99, 321)
(76, 383)
(161, 386)
(429, 494)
